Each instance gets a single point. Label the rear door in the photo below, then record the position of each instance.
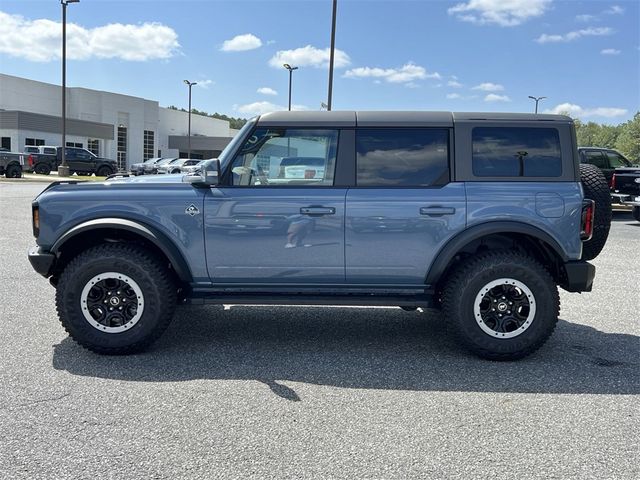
(403, 207)
(275, 225)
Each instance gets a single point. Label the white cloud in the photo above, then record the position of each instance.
(614, 10)
(454, 84)
(492, 97)
(408, 73)
(580, 112)
(453, 96)
(309, 56)
(241, 43)
(205, 83)
(505, 13)
(575, 35)
(267, 91)
(259, 108)
(610, 51)
(585, 18)
(39, 40)
(489, 87)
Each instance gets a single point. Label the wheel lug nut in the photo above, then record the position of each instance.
(118, 292)
(119, 308)
(110, 308)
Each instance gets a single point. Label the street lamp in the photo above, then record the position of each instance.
(332, 54)
(63, 168)
(190, 84)
(291, 69)
(537, 99)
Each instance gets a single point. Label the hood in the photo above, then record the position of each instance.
(173, 178)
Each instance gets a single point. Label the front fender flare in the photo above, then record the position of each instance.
(159, 239)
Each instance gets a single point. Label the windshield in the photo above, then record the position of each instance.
(227, 153)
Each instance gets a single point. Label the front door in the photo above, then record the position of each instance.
(279, 220)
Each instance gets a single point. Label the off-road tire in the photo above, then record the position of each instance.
(13, 171)
(104, 172)
(42, 169)
(596, 188)
(470, 278)
(143, 267)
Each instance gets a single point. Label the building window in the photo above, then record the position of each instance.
(36, 142)
(72, 144)
(122, 147)
(6, 143)
(93, 145)
(148, 144)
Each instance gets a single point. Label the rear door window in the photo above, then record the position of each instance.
(596, 158)
(402, 157)
(616, 160)
(516, 152)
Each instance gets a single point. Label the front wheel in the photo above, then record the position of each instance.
(115, 298)
(13, 171)
(104, 172)
(505, 305)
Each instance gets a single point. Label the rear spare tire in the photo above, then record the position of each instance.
(596, 188)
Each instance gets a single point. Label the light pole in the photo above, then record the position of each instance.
(190, 84)
(291, 69)
(537, 99)
(63, 168)
(332, 54)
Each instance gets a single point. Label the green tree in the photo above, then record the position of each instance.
(628, 142)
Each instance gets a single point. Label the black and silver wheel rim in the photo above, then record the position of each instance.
(112, 302)
(504, 308)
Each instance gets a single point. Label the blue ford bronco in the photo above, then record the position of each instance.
(482, 215)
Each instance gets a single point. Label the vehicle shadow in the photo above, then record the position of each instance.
(360, 348)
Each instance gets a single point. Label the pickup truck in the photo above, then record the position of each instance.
(11, 164)
(80, 161)
(622, 175)
(481, 215)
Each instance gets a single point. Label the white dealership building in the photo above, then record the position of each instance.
(128, 129)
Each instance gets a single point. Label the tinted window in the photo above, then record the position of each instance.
(596, 158)
(616, 160)
(274, 156)
(516, 152)
(402, 157)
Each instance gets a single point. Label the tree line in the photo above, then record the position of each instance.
(234, 122)
(624, 137)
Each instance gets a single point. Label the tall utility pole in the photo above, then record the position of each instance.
(291, 69)
(537, 99)
(332, 54)
(63, 168)
(190, 84)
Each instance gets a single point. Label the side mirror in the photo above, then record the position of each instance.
(209, 175)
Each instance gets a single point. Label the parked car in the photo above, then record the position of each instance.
(197, 168)
(486, 231)
(176, 165)
(152, 168)
(139, 168)
(622, 175)
(11, 164)
(80, 160)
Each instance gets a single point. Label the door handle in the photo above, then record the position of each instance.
(317, 211)
(437, 211)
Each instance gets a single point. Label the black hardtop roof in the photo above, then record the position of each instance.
(342, 118)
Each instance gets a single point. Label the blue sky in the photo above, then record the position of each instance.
(474, 55)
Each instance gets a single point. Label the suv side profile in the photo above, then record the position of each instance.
(481, 215)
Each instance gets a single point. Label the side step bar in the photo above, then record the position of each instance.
(424, 301)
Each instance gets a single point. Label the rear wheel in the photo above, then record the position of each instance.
(505, 305)
(42, 169)
(115, 298)
(13, 171)
(636, 213)
(596, 188)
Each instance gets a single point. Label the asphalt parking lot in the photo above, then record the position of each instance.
(310, 392)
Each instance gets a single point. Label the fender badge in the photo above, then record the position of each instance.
(192, 210)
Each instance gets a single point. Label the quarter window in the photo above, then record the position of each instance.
(402, 157)
(276, 157)
(516, 152)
